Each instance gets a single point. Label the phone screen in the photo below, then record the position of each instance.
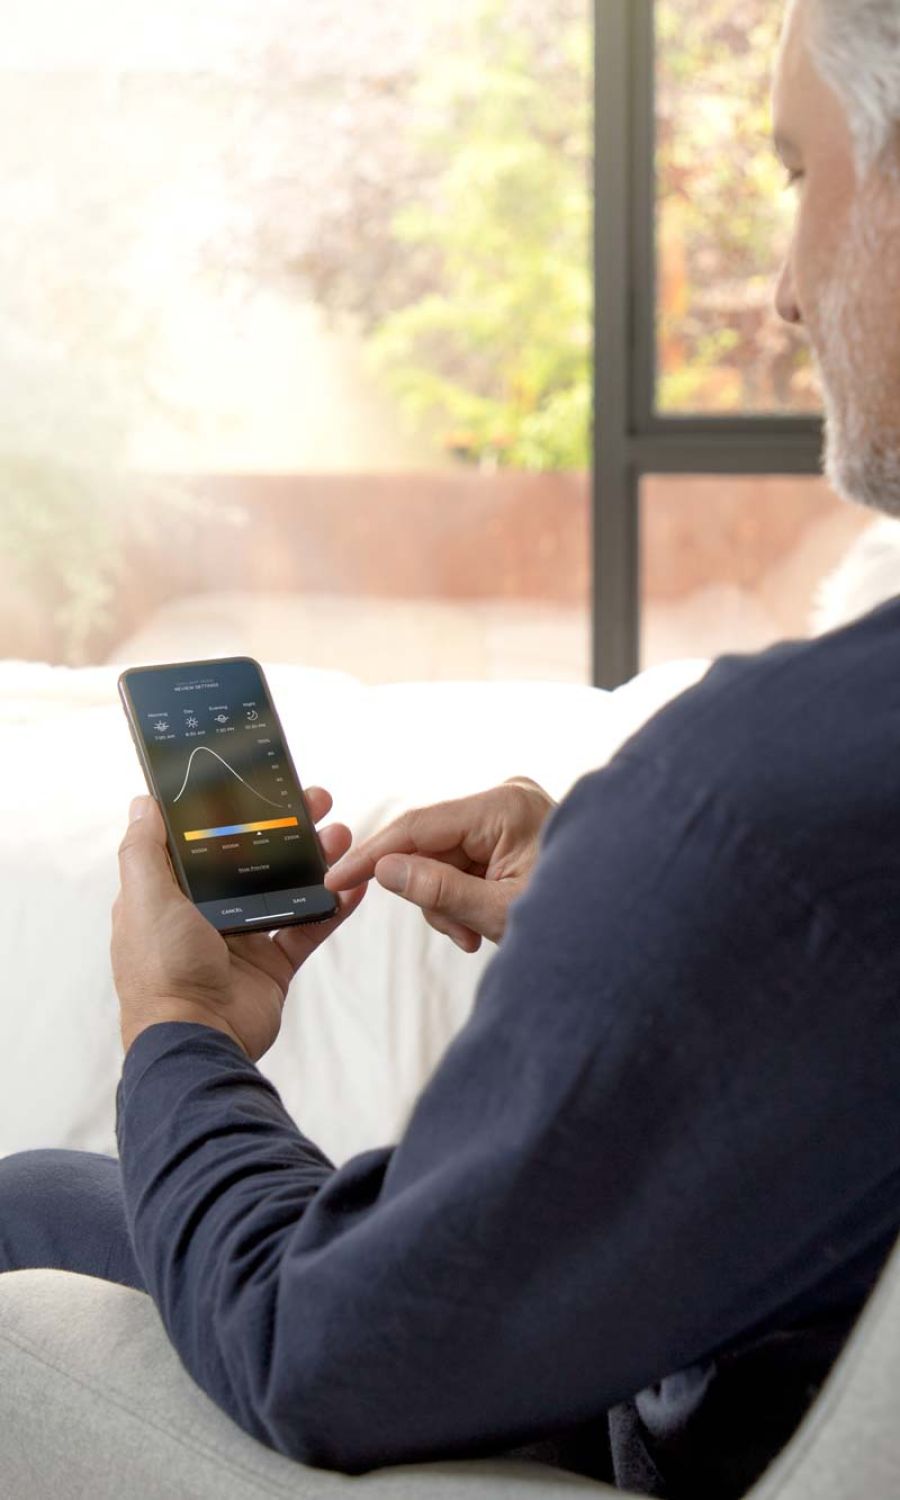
(240, 835)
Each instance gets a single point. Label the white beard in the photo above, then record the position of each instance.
(862, 456)
(859, 464)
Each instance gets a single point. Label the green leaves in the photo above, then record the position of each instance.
(497, 360)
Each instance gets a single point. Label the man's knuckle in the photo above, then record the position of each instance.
(413, 821)
(513, 801)
(387, 838)
(432, 889)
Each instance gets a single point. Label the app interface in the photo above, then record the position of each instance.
(235, 811)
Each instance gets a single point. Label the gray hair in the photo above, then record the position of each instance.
(855, 45)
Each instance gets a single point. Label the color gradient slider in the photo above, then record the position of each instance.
(220, 833)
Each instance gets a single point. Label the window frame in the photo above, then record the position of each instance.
(631, 438)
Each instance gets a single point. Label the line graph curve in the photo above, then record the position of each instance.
(198, 750)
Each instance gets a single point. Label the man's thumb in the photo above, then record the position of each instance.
(438, 887)
(143, 862)
(139, 808)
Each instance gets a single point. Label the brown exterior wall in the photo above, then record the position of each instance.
(453, 536)
(456, 536)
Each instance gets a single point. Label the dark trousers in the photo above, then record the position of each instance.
(64, 1209)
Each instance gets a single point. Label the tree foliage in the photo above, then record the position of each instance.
(499, 350)
(463, 248)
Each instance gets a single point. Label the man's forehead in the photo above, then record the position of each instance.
(794, 31)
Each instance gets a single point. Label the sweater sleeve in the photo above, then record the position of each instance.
(617, 1169)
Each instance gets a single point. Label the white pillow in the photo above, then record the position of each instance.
(369, 1016)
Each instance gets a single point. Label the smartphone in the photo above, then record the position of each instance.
(241, 840)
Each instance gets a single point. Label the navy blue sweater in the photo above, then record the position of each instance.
(641, 1201)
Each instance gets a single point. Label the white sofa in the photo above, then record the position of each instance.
(94, 1405)
(93, 1401)
(370, 1015)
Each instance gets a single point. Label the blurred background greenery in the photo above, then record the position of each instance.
(485, 335)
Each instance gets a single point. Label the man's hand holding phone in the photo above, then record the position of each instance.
(462, 862)
(170, 963)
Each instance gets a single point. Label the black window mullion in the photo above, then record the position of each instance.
(642, 157)
(614, 541)
(631, 438)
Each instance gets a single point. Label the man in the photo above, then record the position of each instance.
(641, 1202)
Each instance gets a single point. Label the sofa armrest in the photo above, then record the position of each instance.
(95, 1404)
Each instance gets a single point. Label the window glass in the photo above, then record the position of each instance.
(735, 563)
(724, 215)
(295, 333)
